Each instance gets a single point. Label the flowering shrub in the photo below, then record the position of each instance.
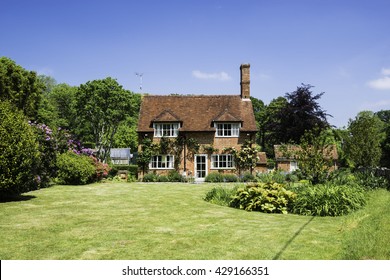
(245, 158)
(102, 169)
(46, 167)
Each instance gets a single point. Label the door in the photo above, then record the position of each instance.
(200, 166)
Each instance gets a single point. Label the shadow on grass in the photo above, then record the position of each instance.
(16, 198)
(277, 256)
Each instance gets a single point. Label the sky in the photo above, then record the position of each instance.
(341, 47)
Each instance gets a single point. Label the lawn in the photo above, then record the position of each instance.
(172, 221)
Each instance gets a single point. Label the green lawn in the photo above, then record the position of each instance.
(172, 221)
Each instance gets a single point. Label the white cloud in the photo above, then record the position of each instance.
(386, 71)
(221, 76)
(382, 83)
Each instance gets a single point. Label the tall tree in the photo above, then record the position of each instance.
(384, 115)
(127, 136)
(57, 107)
(303, 113)
(259, 111)
(363, 145)
(271, 125)
(103, 104)
(20, 87)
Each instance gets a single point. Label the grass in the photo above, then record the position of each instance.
(172, 221)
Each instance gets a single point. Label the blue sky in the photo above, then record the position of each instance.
(342, 47)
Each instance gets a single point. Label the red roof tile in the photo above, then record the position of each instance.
(196, 112)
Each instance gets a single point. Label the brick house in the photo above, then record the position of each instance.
(215, 122)
(286, 160)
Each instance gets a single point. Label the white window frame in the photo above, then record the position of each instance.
(227, 129)
(162, 162)
(223, 161)
(166, 129)
(293, 166)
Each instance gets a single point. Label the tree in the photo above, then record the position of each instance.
(21, 87)
(363, 144)
(245, 158)
(315, 154)
(19, 153)
(127, 136)
(271, 125)
(302, 113)
(103, 105)
(384, 115)
(57, 107)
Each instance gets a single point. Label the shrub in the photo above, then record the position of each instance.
(369, 180)
(174, 176)
(150, 177)
(162, 178)
(75, 169)
(102, 169)
(329, 200)
(220, 196)
(263, 197)
(19, 153)
(214, 177)
(229, 178)
(133, 169)
(276, 176)
(247, 177)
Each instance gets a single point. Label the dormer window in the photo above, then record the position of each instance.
(166, 129)
(227, 129)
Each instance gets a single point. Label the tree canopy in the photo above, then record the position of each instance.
(363, 143)
(102, 104)
(20, 87)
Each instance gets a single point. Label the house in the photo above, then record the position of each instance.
(120, 155)
(285, 157)
(211, 122)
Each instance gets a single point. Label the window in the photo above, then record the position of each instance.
(227, 129)
(166, 129)
(222, 161)
(161, 162)
(293, 166)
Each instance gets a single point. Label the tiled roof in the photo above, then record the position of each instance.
(196, 112)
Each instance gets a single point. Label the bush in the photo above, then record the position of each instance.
(19, 153)
(220, 196)
(214, 177)
(174, 176)
(329, 200)
(247, 177)
(229, 178)
(263, 197)
(162, 178)
(276, 176)
(133, 169)
(369, 180)
(150, 177)
(75, 169)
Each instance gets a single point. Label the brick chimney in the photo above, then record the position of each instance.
(245, 81)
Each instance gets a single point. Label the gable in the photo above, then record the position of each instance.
(196, 112)
(166, 116)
